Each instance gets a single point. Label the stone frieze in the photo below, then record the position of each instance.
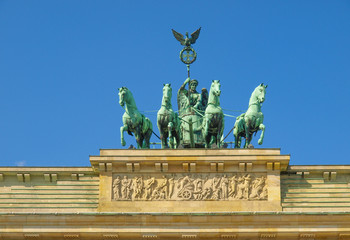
(190, 187)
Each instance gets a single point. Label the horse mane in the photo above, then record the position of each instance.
(132, 102)
(169, 105)
(252, 96)
(211, 96)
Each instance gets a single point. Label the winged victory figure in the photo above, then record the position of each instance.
(188, 40)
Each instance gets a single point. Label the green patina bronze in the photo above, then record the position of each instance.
(188, 40)
(168, 121)
(187, 55)
(191, 105)
(251, 121)
(200, 119)
(133, 120)
(213, 122)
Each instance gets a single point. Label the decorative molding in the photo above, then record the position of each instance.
(189, 236)
(229, 236)
(194, 187)
(71, 236)
(307, 236)
(149, 236)
(31, 236)
(267, 236)
(110, 236)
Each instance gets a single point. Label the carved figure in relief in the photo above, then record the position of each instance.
(257, 187)
(198, 188)
(171, 187)
(263, 194)
(137, 187)
(216, 188)
(224, 187)
(149, 187)
(186, 188)
(116, 188)
(161, 191)
(233, 186)
(243, 187)
(207, 189)
(247, 181)
(191, 187)
(125, 188)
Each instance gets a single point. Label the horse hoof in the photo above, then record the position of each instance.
(214, 146)
(123, 143)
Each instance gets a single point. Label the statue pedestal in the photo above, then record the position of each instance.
(190, 181)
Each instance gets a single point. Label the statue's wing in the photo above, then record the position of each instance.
(179, 37)
(195, 35)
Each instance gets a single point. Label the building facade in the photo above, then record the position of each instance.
(177, 194)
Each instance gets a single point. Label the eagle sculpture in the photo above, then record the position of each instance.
(188, 40)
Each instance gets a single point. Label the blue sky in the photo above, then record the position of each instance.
(61, 63)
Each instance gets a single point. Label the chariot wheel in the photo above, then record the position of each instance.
(186, 195)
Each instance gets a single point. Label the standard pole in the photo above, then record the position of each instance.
(191, 132)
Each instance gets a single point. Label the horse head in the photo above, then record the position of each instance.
(122, 95)
(260, 92)
(215, 87)
(167, 94)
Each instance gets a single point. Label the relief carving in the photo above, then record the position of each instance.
(195, 187)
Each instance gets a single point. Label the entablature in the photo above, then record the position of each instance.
(190, 160)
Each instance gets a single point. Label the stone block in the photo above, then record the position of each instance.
(220, 166)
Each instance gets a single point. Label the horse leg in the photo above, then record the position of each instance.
(159, 125)
(165, 139)
(236, 136)
(138, 137)
(206, 134)
(161, 138)
(248, 135)
(143, 141)
(170, 135)
(163, 133)
(147, 138)
(177, 135)
(177, 138)
(177, 130)
(122, 129)
(262, 128)
(219, 138)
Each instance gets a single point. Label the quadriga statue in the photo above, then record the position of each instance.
(251, 121)
(168, 121)
(133, 120)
